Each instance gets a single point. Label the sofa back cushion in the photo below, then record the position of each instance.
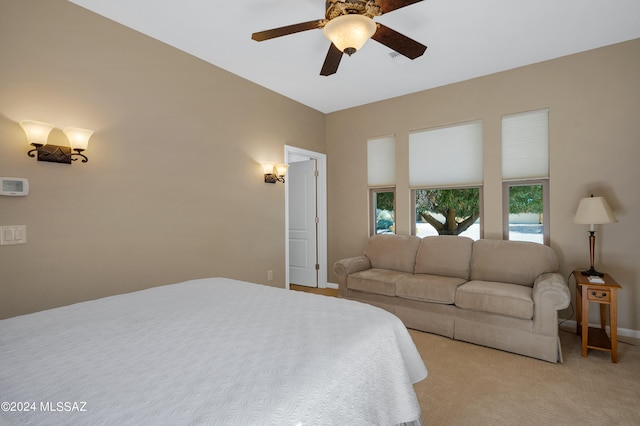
(516, 262)
(395, 252)
(448, 256)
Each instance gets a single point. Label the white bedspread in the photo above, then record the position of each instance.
(210, 351)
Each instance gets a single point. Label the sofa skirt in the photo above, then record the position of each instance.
(495, 331)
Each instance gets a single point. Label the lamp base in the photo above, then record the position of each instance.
(592, 272)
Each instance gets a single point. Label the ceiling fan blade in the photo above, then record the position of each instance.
(387, 6)
(331, 62)
(289, 29)
(399, 42)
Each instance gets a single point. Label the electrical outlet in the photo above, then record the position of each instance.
(269, 275)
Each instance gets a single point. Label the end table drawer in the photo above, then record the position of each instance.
(599, 295)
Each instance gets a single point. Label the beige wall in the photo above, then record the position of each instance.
(594, 102)
(173, 189)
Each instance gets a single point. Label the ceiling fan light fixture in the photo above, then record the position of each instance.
(349, 32)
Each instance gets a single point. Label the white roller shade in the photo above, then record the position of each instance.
(446, 156)
(525, 145)
(381, 161)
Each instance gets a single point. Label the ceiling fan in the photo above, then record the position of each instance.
(348, 25)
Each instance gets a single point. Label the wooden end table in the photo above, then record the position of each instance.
(604, 294)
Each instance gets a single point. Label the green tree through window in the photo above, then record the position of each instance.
(383, 203)
(449, 211)
(525, 211)
(525, 199)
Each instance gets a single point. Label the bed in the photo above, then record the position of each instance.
(209, 351)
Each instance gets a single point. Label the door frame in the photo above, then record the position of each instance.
(321, 196)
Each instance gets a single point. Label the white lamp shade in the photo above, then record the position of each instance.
(78, 138)
(281, 170)
(349, 31)
(268, 167)
(593, 211)
(37, 132)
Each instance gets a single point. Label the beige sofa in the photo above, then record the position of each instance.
(501, 294)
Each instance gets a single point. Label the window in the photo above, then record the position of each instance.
(525, 174)
(454, 211)
(445, 174)
(526, 211)
(381, 168)
(383, 206)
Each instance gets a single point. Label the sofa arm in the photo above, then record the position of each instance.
(342, 268)
(550, 294)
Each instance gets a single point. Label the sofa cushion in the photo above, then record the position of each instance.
(496, 298)
(430, 288)
(389, 251)
(445, 255)
(378, 281)
(517, 262)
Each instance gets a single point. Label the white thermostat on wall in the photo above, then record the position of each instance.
(14, 187)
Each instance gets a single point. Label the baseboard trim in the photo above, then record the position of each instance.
(622, 332)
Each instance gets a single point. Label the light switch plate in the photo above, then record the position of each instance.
(14, 234)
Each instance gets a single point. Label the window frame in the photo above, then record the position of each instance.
(544, 182)
(372, 207)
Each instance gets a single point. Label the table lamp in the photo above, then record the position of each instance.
(593, 211)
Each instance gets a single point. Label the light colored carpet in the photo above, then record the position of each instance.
(473, 385)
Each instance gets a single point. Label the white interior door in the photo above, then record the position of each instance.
(303, 227)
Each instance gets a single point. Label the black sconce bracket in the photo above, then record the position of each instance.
(56, 153)
(271, 178)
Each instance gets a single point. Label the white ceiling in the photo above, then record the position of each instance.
(465, 39)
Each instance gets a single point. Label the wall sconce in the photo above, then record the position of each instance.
(274, 173)
(38, 133)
